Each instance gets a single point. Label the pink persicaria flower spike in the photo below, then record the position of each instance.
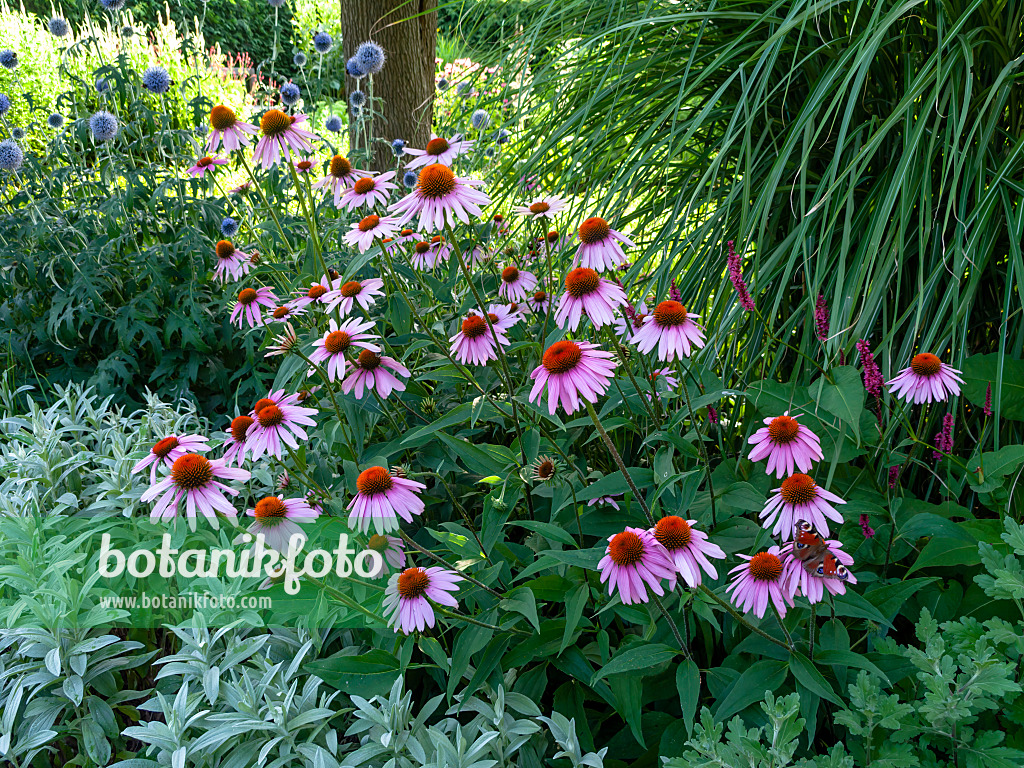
(735, 264)
(282, 135)
(235, 452)
(588, 294)
(166, 451)
(228, 130)
(671, 329)
(799, 498)
(331, 349)
(373, 371)
(381, 499)
(373, 226)
(474, 343)
(441, 198)
(759, 580)
(275, 519)
(361, 292)
(278, 424)
(630, 320)
(194, 480)
(340, 176)
(231, 262)
(927, 380)
(601, 246)
(539, 302)
(516, 284)
(688, 548)
(438, 150)
(369, 191)
(542, 208)
(633, 562)
(204, 164)
(248, 308)
(572, 371)
(319, 294)
(788, 445)
(409, 594)
(813, 564)
(392, 554)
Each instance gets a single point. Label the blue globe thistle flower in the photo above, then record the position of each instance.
(104, 126)
(299, 59)
(55, 121)
(322, 42)
(17, 133)
(102, 85)
(156, 80)
(5, 104)
(503, 136)
(490, 152)
(442, 84)
(354, 69)
(11, 156)
(464, 89)
(290, 94)
(398, 147)
(229, 227)
(8, 59)
(275, 3)
(356, 112)
(410, 179)
(127, 31)
(480, 119)
(370, 57)
(202, 129)
(112, 5)
(357, 98)
(58, 27)
(333, 124)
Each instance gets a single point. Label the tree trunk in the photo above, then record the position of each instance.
(406, 84)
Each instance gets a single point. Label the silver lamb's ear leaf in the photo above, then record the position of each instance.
(211, 684)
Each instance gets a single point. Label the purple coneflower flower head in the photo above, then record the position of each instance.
(441, 198)
(634, 561)
(392, 553)
(759, 580)
(873, 379)
(423, 256)
(944, 437)
(373, 226)
(204, 164)
(927, 380)
(587, 293)
(821, 319)
(539, 302)
(408, 236)
(736, 275)
(361, 292)
(368, 191)
(319, 294)
(275, 519)
(666, 376)
(340, 176)
(440, 251)
(194, 479)
(865, 525)
(231, 262)
(474, 343)
(604, 501)
(331, 349)
(228, 130)
(786, 444)
(248, 308)
(826, 567)
(516, 284)
(282, 135)
(278, 422)
(600, 245)
(671, 328)
(438, 150)
(503, 316)
(409, 594)
(381, 499)
(799, 498)
(688, 549)
(284, 342)
(572, 371)
(235, 451)
(167, 450)
(376, 372)
(541, 208)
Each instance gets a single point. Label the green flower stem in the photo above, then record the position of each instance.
(778, 617)
(330, 391)
(700, 445)
(462, 617)
(629, 372)
(618, 460)
(442, 561)
(811, 627)
(672, 625)
(310, 223)
(739, 617)
(263, 197)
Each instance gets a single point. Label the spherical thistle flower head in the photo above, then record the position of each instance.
(357, 99)
(334, 124)
(231, 262)
(127, 31)
(409, 594)
(370, 227)
(55, 121)
(17, 133)
(274, 518)
(113, 5)
(361, 292)
(827, 567)
(633, 562)
(398, 147)
(516, 284)
(5, 104)
(165, 451)
(799, 498)
(381, 499)
(376, 372)
(354, 69)
(600, 245)
(542, 207)
(299, 60)
(503, 136)
(441, 198)
(194, 479)
(8, 59)
(786, 444)
(229, 227)
(688, 548)
(322, 42)
(156, 80)
(331, 349)
(11, 155)
(442, 84)
(282, 135)
(290, 94)
(926, 380)
(490, 152)
(439, 150)
(588, 294)
(759, 580)
(671, 329)
(235, 452)
(104, 126)
(370, 57)
(58, 26)
(480, 119)
(248, 308)
(204, 164)
(369, 191)
(102, 85)
(277, 424)
(410, 179)
(464, 89)
(474, 343)
(572, 371)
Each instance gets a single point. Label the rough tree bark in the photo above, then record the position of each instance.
(406, 84)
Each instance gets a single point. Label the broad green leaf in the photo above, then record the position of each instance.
(808, 675)
(635, 658)
(688, 685)
(757, 679)
(1007, 382)
(844, 399)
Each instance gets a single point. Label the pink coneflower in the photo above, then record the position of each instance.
(539, 302)
(169, 449)
(927, 380)
(228, 129)
(423, 257)
(284, 342)
(438, 150)
(231, 262)
(759, 580)
(503, 316)
(786, 444)
(381, 499)
(813, 564)
(409, 594)
(282, 135)
(204, 164)
(279, 422)
(193, 479)
(370, 227)
(667, 377)
(303, 166)
(440, 198)
(274, 519)
(541, 208)
(373, 371)
(605, 501)
(361, 292)
(318, 293)
(391, 551)
(369, 191)
(284, 313)
(634, 561)
(799, 498)
(516, 284)
(408, 236)
(235, 453)
(600, 245)
(688, 548)
(587, 293)
(944, 438)
(474, 343)
(873, 379)
(338, 340)
(478, 255)
(440, 250)
(572, 370)
(630, 320)
(821, 319)
(340, 176)
(735, 263)
(248, 307)
(671, 328)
